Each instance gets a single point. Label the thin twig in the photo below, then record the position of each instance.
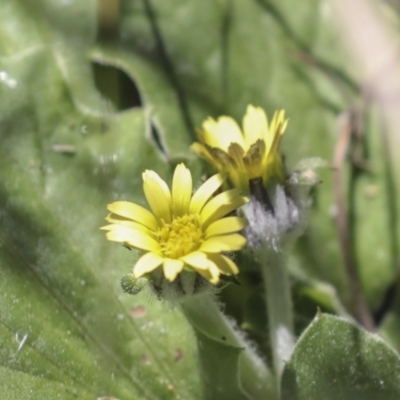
(361, 309)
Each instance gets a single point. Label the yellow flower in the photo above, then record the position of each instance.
(244, 155)
(183, 230)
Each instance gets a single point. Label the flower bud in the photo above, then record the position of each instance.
(277, 216)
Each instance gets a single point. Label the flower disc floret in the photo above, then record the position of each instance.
(182, 236)
(244, 154)
(181, 230)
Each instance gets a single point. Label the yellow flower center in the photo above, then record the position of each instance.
(182, 236)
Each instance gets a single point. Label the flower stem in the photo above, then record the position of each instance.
(279, 306)
(230, 366)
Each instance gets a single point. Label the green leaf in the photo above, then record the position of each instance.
(389, 326)
(66, 328)
(335, 359)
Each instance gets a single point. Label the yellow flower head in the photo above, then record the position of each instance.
(183, 230)
(244, 155)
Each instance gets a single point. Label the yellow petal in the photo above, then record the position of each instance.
(280, 130)
(204, 192)
(209, 133)
(107, 227)
(217, 244)
(132, 237)
(157, 195)
(221, 205)
(196, 259)
(224, 264)
(116, 219)
(181, 190)
(211, 273)
(172, 268)
(236, 152)
(147, 263)
(210, 276)
(254, 159)
(129, 224)
(226, 225)
(275, 131)
(202, 151)
(134, 212)
(222, 133)
(255, 125)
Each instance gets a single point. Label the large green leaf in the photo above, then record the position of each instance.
(335, 359)
(66, 328)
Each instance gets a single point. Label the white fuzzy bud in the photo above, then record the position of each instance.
(279, 216)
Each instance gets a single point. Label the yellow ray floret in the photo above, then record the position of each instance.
(181, 230)
(244, 154)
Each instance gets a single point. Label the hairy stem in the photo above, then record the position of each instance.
(219, 339)
(279, 306)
